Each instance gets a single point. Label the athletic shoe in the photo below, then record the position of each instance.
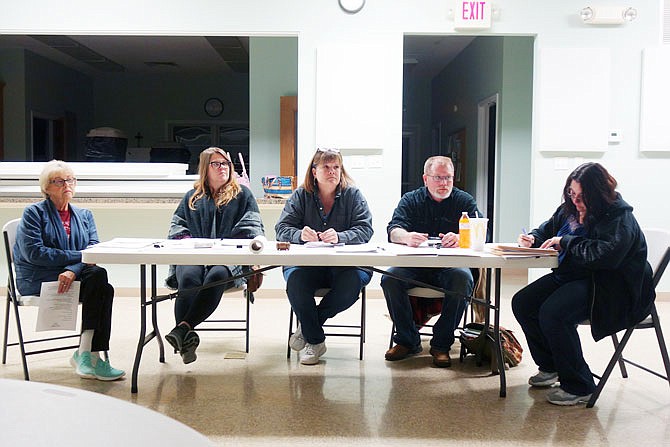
(191, 342)
(561, 397)
(105, 372)
(176, 337)
(311, 354)
(297, 341)
(543, 378)
(82, 365)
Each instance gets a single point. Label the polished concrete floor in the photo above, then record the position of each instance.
(264, 399)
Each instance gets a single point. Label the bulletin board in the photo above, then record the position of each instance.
(573, 99)
(655, 97)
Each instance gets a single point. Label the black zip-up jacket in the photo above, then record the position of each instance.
(614, 254)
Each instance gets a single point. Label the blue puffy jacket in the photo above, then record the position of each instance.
(43, 249)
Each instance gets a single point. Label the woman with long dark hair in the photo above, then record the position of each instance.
(603, 276)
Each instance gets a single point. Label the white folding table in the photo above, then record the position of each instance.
(162, 252)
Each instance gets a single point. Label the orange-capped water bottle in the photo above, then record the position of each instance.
(464, 230)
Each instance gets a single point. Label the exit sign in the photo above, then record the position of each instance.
(472, 14)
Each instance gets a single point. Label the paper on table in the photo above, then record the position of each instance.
(187, 243)
(400, 249)
(57, 311)
(126, 242)
(357, 248)
(321, 244)
(510, 249)
(234, 242)
(458, 252)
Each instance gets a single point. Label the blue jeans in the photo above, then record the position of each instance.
(548, 311)
(458, 280)
(195, 307)
(345, 284)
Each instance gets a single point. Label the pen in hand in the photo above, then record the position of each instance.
(525, 240)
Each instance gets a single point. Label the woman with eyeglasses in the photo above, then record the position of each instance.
(328, 208)
(603, 276)
(217, 207)
(49, 241)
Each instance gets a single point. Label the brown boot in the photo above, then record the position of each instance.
(440, 359)
(399, 352)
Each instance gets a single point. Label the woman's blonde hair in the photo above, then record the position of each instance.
(228, 190)
(326, 156)
(53, 169)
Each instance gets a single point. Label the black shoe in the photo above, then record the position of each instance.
(190, 344)
(176, 337)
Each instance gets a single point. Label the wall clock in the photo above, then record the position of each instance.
(213, 107)
(351, 6)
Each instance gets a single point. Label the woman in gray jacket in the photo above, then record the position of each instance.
(327, 208)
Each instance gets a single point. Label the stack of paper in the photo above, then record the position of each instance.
(515, 250)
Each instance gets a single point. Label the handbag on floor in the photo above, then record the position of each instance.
(475, 340)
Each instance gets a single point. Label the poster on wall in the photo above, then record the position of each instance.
(456, 151)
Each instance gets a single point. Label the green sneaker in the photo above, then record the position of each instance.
(82, 365)
(104, 371)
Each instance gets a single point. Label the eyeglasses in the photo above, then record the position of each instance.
(441, 178)
(334, 151)
(218, 164)
(574, 196)
(61, 182)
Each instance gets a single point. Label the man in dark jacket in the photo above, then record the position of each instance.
(430, 211)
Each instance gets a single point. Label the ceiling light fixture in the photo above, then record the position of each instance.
(607, 15)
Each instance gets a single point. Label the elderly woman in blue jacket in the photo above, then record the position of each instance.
(603, 276)
(328, 208)
(49, 241)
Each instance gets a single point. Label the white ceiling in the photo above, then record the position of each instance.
(194, 55)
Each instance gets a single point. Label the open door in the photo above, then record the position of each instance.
(288, 136)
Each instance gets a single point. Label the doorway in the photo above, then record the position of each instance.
(48, 137)
(487, 122)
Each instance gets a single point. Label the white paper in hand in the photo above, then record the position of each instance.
(57, 311)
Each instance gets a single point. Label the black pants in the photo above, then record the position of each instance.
(96, 296)
(549, 310)
(195, 307)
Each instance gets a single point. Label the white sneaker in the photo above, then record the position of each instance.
(297, 341)
(561, 397)
(311, 354)
(543, 378)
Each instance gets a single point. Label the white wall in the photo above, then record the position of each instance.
(320, 24)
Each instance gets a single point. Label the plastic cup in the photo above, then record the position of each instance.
(478, 226)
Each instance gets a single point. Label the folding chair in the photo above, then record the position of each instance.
(477, 313)
(16, 300)
(658, 244)
(342, 329)
(232, 325)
